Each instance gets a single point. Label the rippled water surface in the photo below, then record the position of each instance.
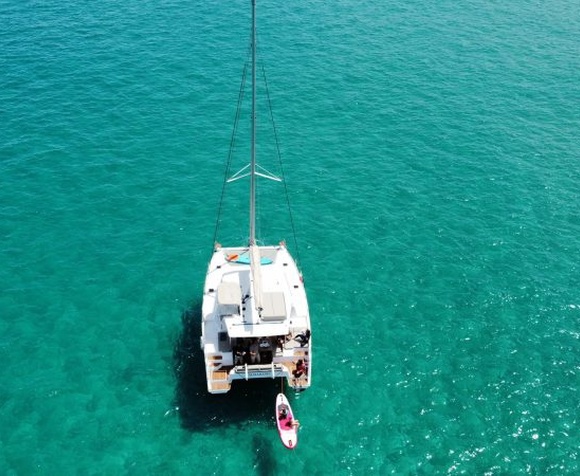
(431, 152)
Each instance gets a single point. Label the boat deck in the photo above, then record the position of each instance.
(232, 317)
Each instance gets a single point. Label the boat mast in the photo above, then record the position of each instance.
(254, 249)
(253, 134)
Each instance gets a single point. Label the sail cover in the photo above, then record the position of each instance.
(256, 275)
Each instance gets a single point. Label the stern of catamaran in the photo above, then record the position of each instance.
(265, 357)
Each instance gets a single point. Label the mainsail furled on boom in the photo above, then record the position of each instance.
(256, 272)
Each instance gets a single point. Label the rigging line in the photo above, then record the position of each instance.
(232, 145)
(277, 142)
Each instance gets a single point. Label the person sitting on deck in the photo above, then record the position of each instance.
(303, 338)
(300, 369)
(239, 356)
(255, 352)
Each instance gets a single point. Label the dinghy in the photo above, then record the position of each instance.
(287, 425)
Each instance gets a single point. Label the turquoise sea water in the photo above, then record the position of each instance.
(432, 154)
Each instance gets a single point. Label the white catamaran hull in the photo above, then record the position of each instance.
(255, 321)
(242, 340)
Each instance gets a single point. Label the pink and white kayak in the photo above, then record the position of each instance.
(287, 425)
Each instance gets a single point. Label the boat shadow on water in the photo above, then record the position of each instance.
(264, 459)
(247, 403)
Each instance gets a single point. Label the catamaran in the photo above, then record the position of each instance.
(255, 320)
